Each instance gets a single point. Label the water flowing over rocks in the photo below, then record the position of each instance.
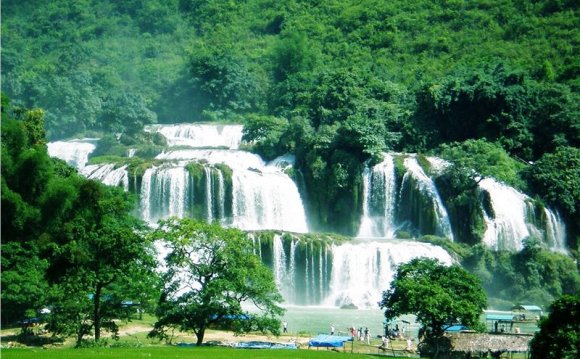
(204, 174)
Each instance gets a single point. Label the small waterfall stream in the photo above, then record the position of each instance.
(555, 231)
(427, 187)
(379, 200)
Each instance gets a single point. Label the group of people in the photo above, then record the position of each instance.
(363, 335)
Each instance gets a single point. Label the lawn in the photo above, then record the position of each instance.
(174, 353)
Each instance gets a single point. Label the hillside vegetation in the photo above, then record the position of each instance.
(490, 84)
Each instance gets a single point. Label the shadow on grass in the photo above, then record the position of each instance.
(31, 340)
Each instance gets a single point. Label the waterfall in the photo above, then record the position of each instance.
(354, 273)
(165, 192)
(221, 197)
(284, 268)
(231, 158)
(379, 200)
(279, 263)
(438, 165)
(200, 135)
(237, 188)
(555, 231)
(507, 228)
(108, 174)
(208, 194)
(362, 271)
(427, 188)
(264, 197)
(131, 152)
(267, 201)
(74, 152)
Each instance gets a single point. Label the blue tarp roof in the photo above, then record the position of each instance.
(456, 328)
(266, 345)
(333, 341)
(507, 317)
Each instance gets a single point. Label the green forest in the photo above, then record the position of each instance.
(490, 85)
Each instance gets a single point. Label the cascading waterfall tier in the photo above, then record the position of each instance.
(413, 204)
(74, 152)
(420, 204)
(379, 201)
(506, 227)
(349, 274)
(238, 189)
(263, 197)
(512, 220)
(165, 192)
(200, 135)
(108, 174)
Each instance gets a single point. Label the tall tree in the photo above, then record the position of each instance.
(96, 256)
(211, 272)
(438, 295)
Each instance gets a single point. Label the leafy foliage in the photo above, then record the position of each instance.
(210, 272)
(438, 295)
(67, 243)
(532, 275)
(558, 335)
(96, 255)
(92, 65)
(557, 177)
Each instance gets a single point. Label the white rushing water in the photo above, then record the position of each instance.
(353, 273)
(555, 231)
(267, 200)
(200, 135)
(74, 152)
(108, 174)
(362, 271)
(508, 228)
(165, 192)
(427, 187)
(379, 200)
(264, 197)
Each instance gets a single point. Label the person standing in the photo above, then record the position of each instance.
(332, 329)
(285, 324)
(367, 336)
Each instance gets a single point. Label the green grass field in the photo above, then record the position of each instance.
(174, 353)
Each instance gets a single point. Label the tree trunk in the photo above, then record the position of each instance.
(97, 312)
(79, 337)
(199, 334)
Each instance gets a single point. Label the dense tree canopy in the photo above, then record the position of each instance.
(437, 294)
(68, 243)
(559, 332)
(211, 272)
(96, 256)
